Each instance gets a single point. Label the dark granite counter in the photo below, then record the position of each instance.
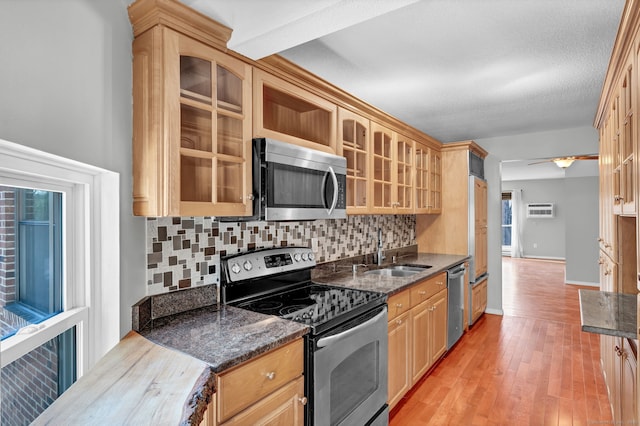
(609, 313)
(392, 285)
(222, 337)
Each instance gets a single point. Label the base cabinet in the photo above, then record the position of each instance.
(266, 390)
(417, 334)
(479, 300)
(619, 365)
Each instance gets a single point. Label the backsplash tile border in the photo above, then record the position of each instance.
(184, 252)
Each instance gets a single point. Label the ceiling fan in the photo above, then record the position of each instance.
(564, 162)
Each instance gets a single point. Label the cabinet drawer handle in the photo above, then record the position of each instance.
(398, 305)
(440, 282)
(271, 375)
(303, 400)
(618, 350)
(398, 321)
(422, 293)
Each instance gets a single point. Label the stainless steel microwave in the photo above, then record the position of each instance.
(291, 182)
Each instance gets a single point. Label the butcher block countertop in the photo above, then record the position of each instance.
(137, 382)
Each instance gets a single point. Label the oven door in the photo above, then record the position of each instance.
(350, 373)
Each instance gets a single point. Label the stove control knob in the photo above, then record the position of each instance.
(296, 257)
(247, 265)
(235, 268)
(311, 256)
(304, 256)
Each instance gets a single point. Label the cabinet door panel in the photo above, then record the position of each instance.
(399, 358)
(420, 331)
(438, 333)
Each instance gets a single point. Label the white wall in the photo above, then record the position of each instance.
(65, 88)
(518, 147)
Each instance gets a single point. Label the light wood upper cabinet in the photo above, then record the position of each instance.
(192, 128)
(428, 180)
(405, 181)
(291, 114)
(383, 179)
(354, 143)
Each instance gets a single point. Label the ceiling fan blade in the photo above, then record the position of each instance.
(540, 162)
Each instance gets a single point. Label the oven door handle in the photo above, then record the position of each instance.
(334, 178)
(326, 341)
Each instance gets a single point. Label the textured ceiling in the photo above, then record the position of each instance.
(455, 69)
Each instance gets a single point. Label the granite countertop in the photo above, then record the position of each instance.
(392, 285)
(223, 337)
(609, 313)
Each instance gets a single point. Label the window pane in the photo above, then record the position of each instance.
(31, 383)
(30, 257)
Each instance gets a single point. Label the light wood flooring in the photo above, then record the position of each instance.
(532, 366)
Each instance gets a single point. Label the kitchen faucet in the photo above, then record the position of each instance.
(381, 255)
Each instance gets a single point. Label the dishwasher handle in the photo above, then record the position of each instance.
(456, 272)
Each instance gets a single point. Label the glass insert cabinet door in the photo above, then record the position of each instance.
(382, 159)
(215, 133)
(353, 140)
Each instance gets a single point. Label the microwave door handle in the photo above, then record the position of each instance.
(335, 190)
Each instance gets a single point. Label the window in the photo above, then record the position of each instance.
(507, 221)
(59, 275)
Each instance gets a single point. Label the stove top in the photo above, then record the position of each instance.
(313, 304)
(278, 282)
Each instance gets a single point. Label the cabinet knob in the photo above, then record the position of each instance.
(303, 400)
(440, 282)
(271, 375)
(618, 350)
(250, 197)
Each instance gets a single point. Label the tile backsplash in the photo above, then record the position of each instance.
(184, 252)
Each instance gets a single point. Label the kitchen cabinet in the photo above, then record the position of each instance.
(480, 226)
(479, 299)
(417, 333)
(191, 122)
(628, 354)
(354, 144)
(404, 182)
(383, 181)
(268, 387)
(399, 343)
(209, 418)
(428, 180)
(286, 112)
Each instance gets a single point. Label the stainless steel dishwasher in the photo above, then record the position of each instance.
(455, 284)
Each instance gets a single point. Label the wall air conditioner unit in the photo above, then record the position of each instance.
(540, 210)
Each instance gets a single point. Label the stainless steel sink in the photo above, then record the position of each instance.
(398, 271)
(409, 268)
(387, 272)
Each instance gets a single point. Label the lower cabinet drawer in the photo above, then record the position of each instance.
(241, 386)
(283, 407)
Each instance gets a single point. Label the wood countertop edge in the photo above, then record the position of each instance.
(137, 380)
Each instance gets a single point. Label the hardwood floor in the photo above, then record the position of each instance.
(532, 366)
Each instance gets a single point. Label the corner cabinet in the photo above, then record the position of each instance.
(192, 128)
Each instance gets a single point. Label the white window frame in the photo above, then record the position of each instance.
(91, 277)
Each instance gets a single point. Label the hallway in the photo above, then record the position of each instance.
(533, 366)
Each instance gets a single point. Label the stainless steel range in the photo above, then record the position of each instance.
(346, 350)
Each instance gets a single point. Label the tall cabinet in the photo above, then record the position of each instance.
(617, 123)
(462, 226)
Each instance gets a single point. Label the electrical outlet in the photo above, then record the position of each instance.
(314, 244)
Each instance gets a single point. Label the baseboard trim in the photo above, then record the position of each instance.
(545, 258)
(494, 311)
(586, 283)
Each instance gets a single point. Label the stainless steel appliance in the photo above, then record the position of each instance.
(346, 349)
(291, 182)
(455, 319)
